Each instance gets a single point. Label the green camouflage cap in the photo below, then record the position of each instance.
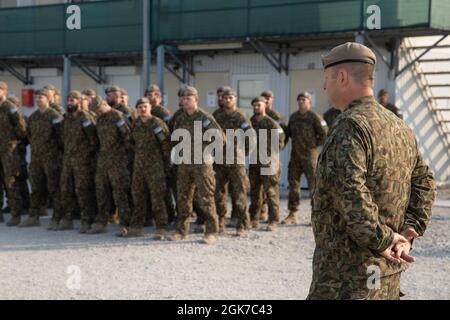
(3, 85)
(229, 92)
(43, 92)
(223, 89)
(259, 99)
(113, 89)
(89, 93)
(188, 91)
(96, 102)
(304, 94)
(267, 94)
(50, 87)
(142, 101)
(75, 95)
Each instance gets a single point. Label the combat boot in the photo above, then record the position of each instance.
(32, 221)
(178, 237)
(123, 232)
(200, 228)
(255, 224)
(221, 224)
(291, 219)
(272, 226)
(241, 233)
(65, 225)
(97, 228)
(14, 221)
(160, 235)
(85, 227)
(134, 233)
(264, 214)
(1, 217)
(53, 225)
(210, 239)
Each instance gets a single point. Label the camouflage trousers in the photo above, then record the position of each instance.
(23, 178)
(45, 178)
(189, 179)
(112, 185)
(388, 289)
(10, 167)
(236, 178)
(264, 187)
(149, 183)
(78, 190)
(297, 167)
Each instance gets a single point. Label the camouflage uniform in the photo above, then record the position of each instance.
(45, 136)
(268, 185)
(371, 182)
(151, 140)
(330, 116)
(234, 175)
(279, 119)
(112, 177)
(128, 113)
(198, 178)
(80, 146)
(307, 133)
(165, 115)
(13, 129)
(57, 108)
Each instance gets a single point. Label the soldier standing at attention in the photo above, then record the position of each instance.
(114, 100)
(45, 136)
(265, 185)
(150, 137)
(307, 132)
(13, 130)
(193, 177)
(112, 176)
(77, 177)
(374, 191)
(233, 174)
(153, 94)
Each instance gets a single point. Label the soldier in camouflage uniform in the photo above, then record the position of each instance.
(233, 174)
(77, 177)
(114, 99)
(192, 176)
(383, 99)
(23, 175)
(53, 93)
(150, 137)
(13, 129)
(374, 191)
(112, 177)
(307, 132)
(90, 94)
(45, 135)
(153, 94)
(263, 185)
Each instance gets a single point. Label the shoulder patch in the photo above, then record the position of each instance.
(13, 110)
(56, 120)
(167, 118)
(157, 130)
(120, 123)
(323, 123)
(245, 125)
(86, 123)
(206, 123)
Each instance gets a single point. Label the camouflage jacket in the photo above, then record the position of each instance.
(330, 116)
(12, 127)
(151, 143)
(275, 115)
(175, 116)
(200, 119)
(113, 133)
(163, 114)
(128, 112)
(44, 131)
(234, 121)
(307, 132)
(57, 108)
(267, 123)
(371, 182)
(80, 137)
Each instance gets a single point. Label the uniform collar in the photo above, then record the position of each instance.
(363, 100)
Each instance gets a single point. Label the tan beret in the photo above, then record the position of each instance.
(304, 94)
(224, 88)
(75, 95)
(3, 85)
(259, 99)
(188, 91)
(113, 89)
(350, 52)
(50, 87)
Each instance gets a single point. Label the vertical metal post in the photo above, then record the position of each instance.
(160, 63)
(66, 78)
(146, 55)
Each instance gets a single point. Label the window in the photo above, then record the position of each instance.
(249, 87)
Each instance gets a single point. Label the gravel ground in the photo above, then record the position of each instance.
(36, 264)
